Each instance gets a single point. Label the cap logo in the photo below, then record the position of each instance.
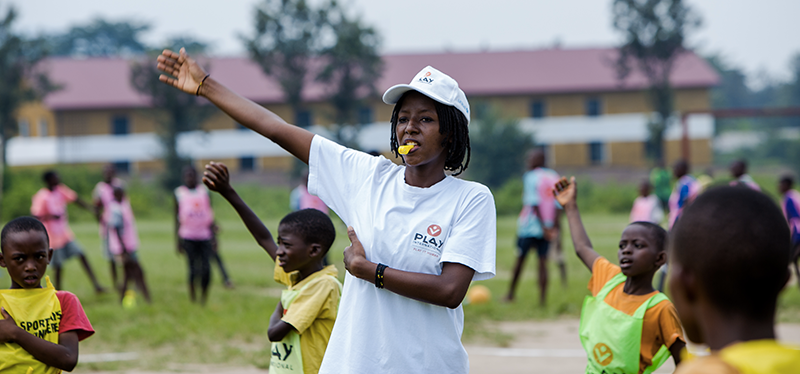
(427, 78)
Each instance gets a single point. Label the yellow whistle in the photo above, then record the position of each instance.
(404, 149)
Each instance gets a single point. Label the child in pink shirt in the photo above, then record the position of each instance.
(195, 231)
(646, 207)
(102, 196)
(49, 205)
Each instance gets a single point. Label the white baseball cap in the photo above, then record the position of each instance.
(434, 84)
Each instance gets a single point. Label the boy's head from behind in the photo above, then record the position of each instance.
(642, 249)
(645, 188)
(730, 254)
(304, 237)
(25, 251)
(50, 178)
(785, 183)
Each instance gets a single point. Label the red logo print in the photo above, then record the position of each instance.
(434, 230)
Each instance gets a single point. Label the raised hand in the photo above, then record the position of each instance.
(566, 192)
(188, 74)
(217, 178)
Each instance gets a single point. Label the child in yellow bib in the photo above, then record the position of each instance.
(627, 327)
(40, 327)
(730, 255)
(303, 320)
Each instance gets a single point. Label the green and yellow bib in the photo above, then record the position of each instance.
(611, 338)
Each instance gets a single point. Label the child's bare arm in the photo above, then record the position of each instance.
(217, 179)
(676, 349)
(277, 328)
(566, 192)
(192, 79)
(63, 355)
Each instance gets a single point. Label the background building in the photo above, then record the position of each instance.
(570, 100)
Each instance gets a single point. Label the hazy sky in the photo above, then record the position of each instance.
(758, 36)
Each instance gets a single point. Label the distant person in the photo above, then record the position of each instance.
(646, 207)
(26, 344)
(706, 180)
(660, 177)
(626, 325)
(194, 231)
(123, 242)
(300, 198)
(49, 205)
(740, 176)
(301, 325)
(730, 256)
(686, 189)
(102, 195)
(790, 203)
(536, 220)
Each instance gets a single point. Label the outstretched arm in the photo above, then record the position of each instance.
(217, 179)
(63, 355)
(192, 79)
(447, 289)
(567, 193)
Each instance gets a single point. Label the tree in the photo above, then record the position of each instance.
(176, 112)
(498, 147)
(288, 36)
(101, 38)
(20, 81)
(655, 33)
(352, 65)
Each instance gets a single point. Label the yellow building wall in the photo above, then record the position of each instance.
(626, 153)
(35, 113)
(700, 152)
(575, 154)
(692, 99)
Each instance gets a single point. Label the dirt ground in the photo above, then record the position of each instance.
(542, 346)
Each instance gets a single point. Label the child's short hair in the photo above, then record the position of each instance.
(736, 241)
(312, 226)
(788, 179)
(22, 224)
(658, 232)
(48, 175)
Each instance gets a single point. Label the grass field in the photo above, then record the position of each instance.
(232, 328)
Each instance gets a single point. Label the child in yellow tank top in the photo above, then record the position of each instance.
(40, 328)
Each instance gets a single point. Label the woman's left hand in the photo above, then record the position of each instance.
(354, 253)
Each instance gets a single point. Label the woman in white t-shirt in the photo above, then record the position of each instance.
(418, 235)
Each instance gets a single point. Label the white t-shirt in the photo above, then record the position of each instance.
(407, 228)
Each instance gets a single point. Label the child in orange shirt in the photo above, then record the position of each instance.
(730, 259)
(626, 325)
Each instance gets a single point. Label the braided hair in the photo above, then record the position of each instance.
(452, 124)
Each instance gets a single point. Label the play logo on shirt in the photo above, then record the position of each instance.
(429, 242)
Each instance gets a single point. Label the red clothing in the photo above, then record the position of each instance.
(73, 318)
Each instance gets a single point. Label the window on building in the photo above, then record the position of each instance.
(42, 127)
(303, 118)
(538, 109)
(119, 125)
(24, 128)
(122, 167)
(596, 153)
(593, 107)
(365, 115)
(247, 163)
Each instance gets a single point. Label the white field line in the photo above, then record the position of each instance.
(108, 357)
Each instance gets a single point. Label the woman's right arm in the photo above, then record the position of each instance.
(566, 193)
(189, 77)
